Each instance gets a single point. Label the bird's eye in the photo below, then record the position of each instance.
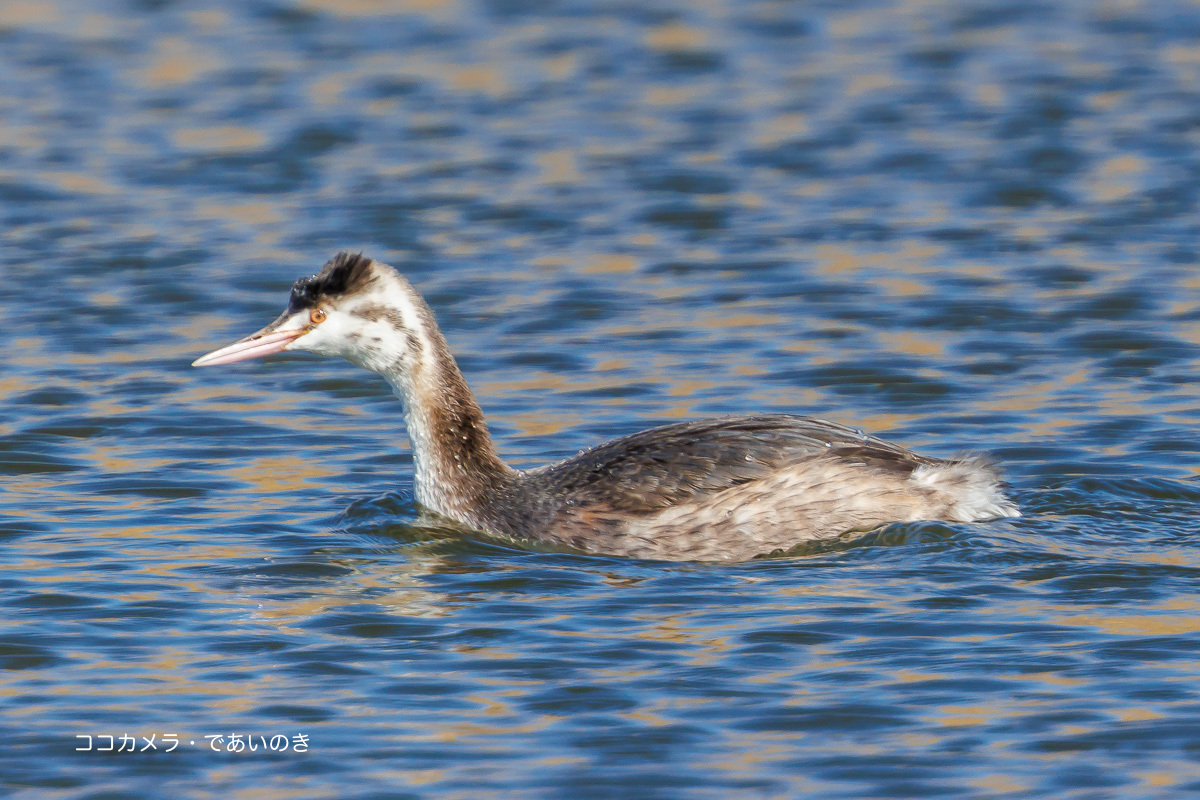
(317, 316)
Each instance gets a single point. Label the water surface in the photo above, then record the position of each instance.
(956, 225)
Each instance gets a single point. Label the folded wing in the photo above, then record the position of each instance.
(665, 466)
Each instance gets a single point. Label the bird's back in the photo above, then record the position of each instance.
(731, 488)
(661, 467)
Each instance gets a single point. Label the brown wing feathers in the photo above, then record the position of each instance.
(663, 466)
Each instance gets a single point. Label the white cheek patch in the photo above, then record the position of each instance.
(386, 326)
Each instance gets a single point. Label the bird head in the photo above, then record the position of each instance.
(355, 307)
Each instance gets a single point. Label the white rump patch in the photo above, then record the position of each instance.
(969, 488)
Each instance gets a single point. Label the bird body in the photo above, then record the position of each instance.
(720, 489)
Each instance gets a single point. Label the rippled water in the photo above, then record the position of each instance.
(959, 225)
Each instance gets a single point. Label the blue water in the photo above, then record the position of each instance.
(963, 226)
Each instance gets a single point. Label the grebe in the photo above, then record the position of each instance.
(724, 489)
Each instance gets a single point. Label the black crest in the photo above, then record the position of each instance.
(343, 274)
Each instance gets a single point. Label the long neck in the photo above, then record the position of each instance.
(457, 468)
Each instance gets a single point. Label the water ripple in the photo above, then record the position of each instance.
(963, 226)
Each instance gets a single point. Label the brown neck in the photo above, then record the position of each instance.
(457, 468)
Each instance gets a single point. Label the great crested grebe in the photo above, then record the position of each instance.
(722, 489)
